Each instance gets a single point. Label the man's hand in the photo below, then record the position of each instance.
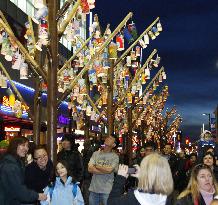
(42, 197)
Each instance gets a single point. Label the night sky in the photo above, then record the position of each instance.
(188, 47)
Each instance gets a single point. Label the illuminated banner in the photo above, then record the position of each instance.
(12, 129)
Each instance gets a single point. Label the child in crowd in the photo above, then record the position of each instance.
(64, 190)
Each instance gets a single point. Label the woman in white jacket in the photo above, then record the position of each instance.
(63, 191)
(155, 183)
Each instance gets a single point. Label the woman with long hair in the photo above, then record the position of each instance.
(201, 189)
(155, 183)
(12, 189)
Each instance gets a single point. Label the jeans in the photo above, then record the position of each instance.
(98, 198)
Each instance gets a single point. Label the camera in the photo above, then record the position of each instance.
(131, 170)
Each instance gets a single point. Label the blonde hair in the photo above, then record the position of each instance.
(192, 187)
(155, 175)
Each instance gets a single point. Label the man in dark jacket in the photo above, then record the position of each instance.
(40, 172)
(70, 154)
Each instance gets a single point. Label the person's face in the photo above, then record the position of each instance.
(148, 150)
(205, 180)
(22, 149)
(193, 159)
(61, 170)
(109, 142)
(167, 149)
(142, 153)
(182, 154)
(66, 145)
(208, 160)
(41, 158)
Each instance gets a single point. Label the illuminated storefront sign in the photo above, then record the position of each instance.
(63, 120)
(12, 129)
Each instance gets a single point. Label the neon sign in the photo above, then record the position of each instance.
(12, 129)
(63, 120)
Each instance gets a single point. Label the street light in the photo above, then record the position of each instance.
(208, 114)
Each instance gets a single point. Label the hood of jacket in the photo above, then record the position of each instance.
(150, 199)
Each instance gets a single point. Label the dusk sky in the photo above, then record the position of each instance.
(188, 46)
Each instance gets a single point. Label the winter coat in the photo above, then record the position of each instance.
(187, 200)
(74, 159)
(63, 194)
(116, 196)
(36, 178)
(12, 188)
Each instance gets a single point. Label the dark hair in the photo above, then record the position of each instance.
(37, 147)
(67, 166)
(150, 144)
(169, 145)
(211, 154)
(69, 137)
(32, 147)
(193, 154)
(14, 143)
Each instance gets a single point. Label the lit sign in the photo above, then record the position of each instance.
(63, 120)
(12, 129)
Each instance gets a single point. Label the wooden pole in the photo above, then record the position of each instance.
(135, 42)
(37, 113)
(82, 72)
(69, 17)
(129, 139)
(52, 52)
(110, 116)
(149, 85)
(87, 118)
(74, 55)
(135, 78)
(32, 32)
(35, 67)
(15, 89)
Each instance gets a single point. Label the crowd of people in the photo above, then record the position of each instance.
(102, 175)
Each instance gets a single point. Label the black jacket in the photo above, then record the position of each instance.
(117, 197)
(12, 188)
(74, 159)
(187, 200)
(37, 179)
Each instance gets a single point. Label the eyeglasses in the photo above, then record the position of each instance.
(41, 157)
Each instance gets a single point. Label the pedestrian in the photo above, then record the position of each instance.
(40, 172)
(72, 156)
(64, 190)
(155, 183)
(13, 191)
(209, 159)
(201, 188)
(103, 164)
